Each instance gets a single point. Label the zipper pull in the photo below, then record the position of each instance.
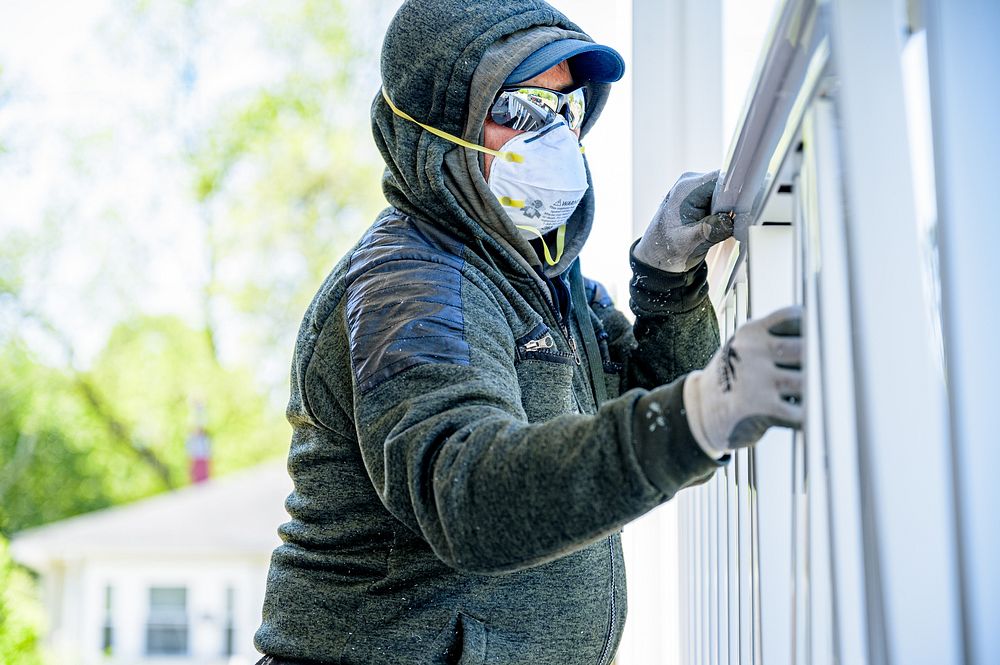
(572, 347)
(542, 343)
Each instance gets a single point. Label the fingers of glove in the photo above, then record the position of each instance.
(700, 238)
(691, 180)
(786, 351)
(716, 228)
(786, 321)
(788, 383)
(788, 414)
(697, 203)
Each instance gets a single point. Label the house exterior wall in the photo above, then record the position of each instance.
(75, 601)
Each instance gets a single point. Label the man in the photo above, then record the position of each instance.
(474, 421)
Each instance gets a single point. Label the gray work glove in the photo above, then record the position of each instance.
(750, 384)
(683, 228)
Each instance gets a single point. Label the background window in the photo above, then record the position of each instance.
(107, 628)
(167, 627)
(229, 624)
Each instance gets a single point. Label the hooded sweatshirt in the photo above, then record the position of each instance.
(465, 450)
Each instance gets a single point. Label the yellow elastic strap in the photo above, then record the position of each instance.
(508, 156)
(511, 203)
(560, 242)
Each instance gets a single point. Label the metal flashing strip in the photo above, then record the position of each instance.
(792, 64)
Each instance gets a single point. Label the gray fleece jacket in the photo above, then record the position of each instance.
(472, 431)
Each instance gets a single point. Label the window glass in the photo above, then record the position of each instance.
(167, 626)
(107, 628)
(229, 625)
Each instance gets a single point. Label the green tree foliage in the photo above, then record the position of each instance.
(20, 614)
(283, 178)
(55, 463)
(288, 178)
(156, 369)
(62, 444)
(280, 179)
(60, 453)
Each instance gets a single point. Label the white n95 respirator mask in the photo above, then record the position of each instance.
(540, 191)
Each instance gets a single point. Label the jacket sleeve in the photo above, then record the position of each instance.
(447, 444)
(675, 329)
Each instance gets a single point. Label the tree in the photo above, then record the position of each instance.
(155, 369)
(283, 178)
(20, 614)
(60, 455)
(55, 464)
(283, 174)
(97, 382)
(288, 179)
(31, 381)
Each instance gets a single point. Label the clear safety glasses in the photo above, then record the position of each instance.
(528, 108)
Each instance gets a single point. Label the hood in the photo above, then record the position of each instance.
(442, 63)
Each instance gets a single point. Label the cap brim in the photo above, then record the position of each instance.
(588, 62)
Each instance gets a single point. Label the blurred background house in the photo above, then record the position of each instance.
(177, 578)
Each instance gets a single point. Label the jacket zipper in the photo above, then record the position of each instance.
(540, 344)
(611, 547)
(547, 342)
(611, 616)
(563, 327)
(572, 344)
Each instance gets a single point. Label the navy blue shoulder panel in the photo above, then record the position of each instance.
(596, 293)
(404, 301)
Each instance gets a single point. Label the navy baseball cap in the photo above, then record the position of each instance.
(590, 62)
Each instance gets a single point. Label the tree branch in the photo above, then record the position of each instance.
(119, 431)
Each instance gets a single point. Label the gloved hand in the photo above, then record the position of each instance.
(683, 228)
(750, 384)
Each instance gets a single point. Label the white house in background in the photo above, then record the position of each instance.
(177, 579)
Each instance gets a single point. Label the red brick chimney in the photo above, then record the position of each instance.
(199, 446)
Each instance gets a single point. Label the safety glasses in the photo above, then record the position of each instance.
(528, 108)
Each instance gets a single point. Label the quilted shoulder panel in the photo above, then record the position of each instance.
(404, 302)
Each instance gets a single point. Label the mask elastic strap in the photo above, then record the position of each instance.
(560, 242)
(507, 156)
